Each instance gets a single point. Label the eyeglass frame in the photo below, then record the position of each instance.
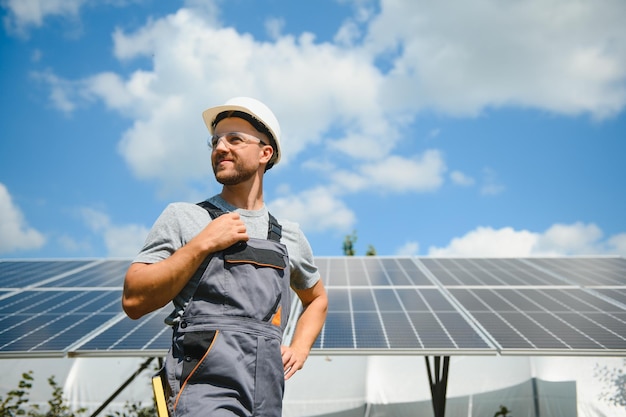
(246, 139)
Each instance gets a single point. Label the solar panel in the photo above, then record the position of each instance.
(585, 271)
(43, 322)
(616, 294)
(102, 274)
(499, 272)
(534, 320)
(474, 305)
(126, 337)
(20, 274)
(377, 305)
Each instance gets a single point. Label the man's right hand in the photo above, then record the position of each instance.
(221, 233)
(148, 287)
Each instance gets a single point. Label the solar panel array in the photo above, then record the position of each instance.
(377, 305)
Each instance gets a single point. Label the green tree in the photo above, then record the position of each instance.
(614, 381)
(348, 244)
(12, 405)
(16, 402)
(504, 412)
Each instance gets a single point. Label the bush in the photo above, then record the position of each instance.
(16, 403)
(614, 380)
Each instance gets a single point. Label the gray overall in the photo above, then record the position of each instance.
(225, 358)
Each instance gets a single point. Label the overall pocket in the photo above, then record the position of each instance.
(243, 253)
(196, 346)
(255, 276)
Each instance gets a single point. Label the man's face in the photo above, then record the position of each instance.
(232, 166)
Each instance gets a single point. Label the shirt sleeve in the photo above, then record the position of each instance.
(304, 272)
(163, 239)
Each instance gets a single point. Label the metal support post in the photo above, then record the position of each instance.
(438, 383)
(122, 387)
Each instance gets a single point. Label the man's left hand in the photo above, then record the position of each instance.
(293, 360)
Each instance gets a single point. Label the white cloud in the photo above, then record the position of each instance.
(617, 244)
(562, 56)
(15, 234)
(485, 241)
(316, 210)
(460, 178)
(357, 95)
(558, 240)
(457, 63)
(491, 185)
(348, 34)
(274, 27)
(24, 14)
(36, 55)
(395, 174)
(577, 238)
(197, 64)
(120, 241)
(95, 219)
(62, 93)
(434, 133)
(351, 31)
(359, 146)
(71, 245)
(125, 241)
(408, 249)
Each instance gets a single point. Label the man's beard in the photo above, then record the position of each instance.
(236, 176)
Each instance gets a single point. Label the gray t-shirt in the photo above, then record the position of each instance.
(181, 222)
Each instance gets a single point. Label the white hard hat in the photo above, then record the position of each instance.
(259, 112)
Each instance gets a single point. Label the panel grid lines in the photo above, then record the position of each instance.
(351, 312)
(377, 308)
(392, 310)
(22, 273)
(377, 305)
(48, 328)
(399, 340)
(522, 294)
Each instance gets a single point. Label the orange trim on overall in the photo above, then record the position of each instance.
(248, 261)
(217, 332)
(277, 317)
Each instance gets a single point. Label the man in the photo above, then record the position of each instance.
(227, 265)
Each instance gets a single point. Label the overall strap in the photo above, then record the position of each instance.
(274, 229)
(212, 209)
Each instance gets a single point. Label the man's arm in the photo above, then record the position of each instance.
(315, 303)
(148, 287)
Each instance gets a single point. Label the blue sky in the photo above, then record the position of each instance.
(482, 128)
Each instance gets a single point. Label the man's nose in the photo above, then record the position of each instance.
(221, 144)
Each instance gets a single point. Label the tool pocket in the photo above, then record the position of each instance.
(256, 276)
(242, 253)
(196, 347)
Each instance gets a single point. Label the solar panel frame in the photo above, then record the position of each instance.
(377, 305)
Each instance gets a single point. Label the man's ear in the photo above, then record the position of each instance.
(267, 153)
